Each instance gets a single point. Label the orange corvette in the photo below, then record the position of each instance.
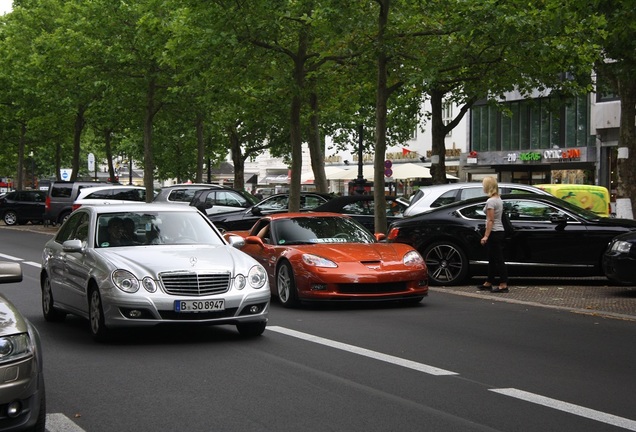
(329, 256)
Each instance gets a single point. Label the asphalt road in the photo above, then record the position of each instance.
(460, 361)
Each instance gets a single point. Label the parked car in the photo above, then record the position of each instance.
(182, 193)
(244, 219)
(330, 257)
(619, 260)
(362, 208)
(428, 197)
(20, 207)
(22, 393)
(60, 198)
(146, 264)
(113, 194)
(551, 237)
(214, 201)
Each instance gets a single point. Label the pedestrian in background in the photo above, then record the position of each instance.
(493, 239)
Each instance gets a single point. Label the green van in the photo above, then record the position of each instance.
(589, 197)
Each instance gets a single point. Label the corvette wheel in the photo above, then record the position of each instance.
(286, 286)
(446, 262)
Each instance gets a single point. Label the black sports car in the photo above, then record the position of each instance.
(244, 219)
(551, 238)
(362, 208)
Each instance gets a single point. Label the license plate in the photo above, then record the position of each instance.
(199, 305)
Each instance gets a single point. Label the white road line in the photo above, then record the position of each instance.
(569, 408)
(61, 423)
(33, 264)
(9, 257)
(362, 351)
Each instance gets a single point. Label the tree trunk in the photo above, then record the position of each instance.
(77, 141)
(438, 131)
(295, 129)
(21, 147)
(316, 148)
(200, 149)
(149, 167)
(381, 122)
(627, 138)
(109, 154)
(237, 159)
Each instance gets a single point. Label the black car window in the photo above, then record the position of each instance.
(129, 194)
(359, 208)
(231, 199)
(181, 195)
(61, 190)
(68, 229)
(102, 194)
(394, 208)
(445, 199)
(275, 203)
(535, 211)
(39, 196)
(310, 202)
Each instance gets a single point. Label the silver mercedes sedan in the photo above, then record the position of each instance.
(146, 264)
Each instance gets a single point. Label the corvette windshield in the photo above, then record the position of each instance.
(319, 230)
(153, 228)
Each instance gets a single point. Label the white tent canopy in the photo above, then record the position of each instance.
(400, 172)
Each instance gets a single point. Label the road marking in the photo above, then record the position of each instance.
(363, 352)
(9, 257)
(569, 408)
(61, 423)
(31, 263)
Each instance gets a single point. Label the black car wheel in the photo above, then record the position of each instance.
(251, 329)
(96, 316)
(286, 285)
(51, 314)
(446, 262)
(10, 217)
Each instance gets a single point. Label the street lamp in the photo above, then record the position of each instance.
(360, 181)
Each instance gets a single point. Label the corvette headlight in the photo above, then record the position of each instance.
(317, 261)
(621, 246)
(15, 347)
(412, 258)
(125, 281)
(257, 277)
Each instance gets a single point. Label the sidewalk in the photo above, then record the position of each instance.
(590, 296)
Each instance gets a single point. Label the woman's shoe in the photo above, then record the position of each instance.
(484, 287)
(499, 290)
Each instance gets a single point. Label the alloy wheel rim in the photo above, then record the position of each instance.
(283, 284)
(95, 312)
(444, 263)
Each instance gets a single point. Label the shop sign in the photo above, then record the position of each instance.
(552, 155)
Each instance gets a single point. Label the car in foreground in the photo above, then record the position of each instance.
(551, 237)
(619, 260)
(112, 194)
(214, 201)
(362, 208)
(330, 257)
(22, 393)
(244, 219)
(20, 207)
(139, 265)
(428, 197)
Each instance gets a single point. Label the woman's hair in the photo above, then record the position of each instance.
(490, 186)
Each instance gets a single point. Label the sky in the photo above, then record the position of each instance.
(5, 6)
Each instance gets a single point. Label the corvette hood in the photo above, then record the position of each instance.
(358, 252)
(155, 259)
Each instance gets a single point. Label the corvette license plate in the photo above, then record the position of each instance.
(199, 305)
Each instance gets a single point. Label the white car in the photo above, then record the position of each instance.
(148, 264)
(428, 197)
(111, 194)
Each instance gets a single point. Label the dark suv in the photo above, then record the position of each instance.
(20, 207)
(62, 194)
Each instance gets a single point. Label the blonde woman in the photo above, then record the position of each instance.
(493, 238)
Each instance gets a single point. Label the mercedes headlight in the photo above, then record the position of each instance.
(257, 277)
(125, 281)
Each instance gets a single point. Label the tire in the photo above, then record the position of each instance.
(40, 425)
(96, 316)
(222, 228)
(10, 218)
(446, 262)
(286, 286)
(50, 312)
(62, 217)
(252, 329)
